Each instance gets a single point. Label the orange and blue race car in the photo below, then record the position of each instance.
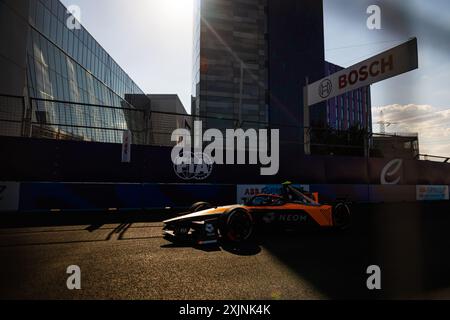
(205, 224)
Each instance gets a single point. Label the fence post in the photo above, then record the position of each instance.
(306, 120)
(24, 114)
(29, 117)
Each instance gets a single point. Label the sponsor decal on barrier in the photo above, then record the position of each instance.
(193, 166)
(9, 196)
(126, 146)
(391, 173)
(193, 160)
(432, 193)
(245, 192)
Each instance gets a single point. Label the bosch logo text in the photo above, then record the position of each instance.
(365, 72)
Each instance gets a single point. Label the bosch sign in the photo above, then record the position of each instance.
(386, 65)
(373, 70)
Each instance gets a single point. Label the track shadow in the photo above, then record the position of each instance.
(95, 220)
(120, 231)
(332, 262)
(94, 227)
(246, 249)
(209, 248)
(407, 241)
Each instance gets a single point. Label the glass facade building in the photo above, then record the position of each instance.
(252, 58)
(353, 109)
(75, 89)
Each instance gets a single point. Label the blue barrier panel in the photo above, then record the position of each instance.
(79, 196)
(350, 192)
(366, 193)
(184, 195)
(392, 193)
(104, 196)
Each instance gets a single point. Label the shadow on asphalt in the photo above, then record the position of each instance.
(334, 263)
(409, 242)
(95, 220)
(247, 249)
(211, 248)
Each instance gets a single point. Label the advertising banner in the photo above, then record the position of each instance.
(432, 193)
(126, 146)
(391, 63)
(245, 192)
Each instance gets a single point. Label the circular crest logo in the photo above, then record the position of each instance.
(325, 88)
(193, 166)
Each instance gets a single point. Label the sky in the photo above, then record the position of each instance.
(152, 41)
(418, 101)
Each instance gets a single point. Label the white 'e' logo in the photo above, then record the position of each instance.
(390, 170)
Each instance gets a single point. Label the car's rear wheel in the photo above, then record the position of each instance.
(342, 217)
(200, 206)
(238, 226)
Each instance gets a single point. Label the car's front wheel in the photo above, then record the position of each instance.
(237, 226)
(342, 217)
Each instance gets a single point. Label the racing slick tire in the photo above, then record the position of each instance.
(200, 206)
(237, 226)
(342, 217)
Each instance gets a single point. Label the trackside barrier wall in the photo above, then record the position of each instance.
(40, 197)
(150, 181)
(97, 196)
(36, 160)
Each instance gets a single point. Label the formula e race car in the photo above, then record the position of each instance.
(205, 224)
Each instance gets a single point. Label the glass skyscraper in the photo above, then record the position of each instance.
(230, 73)
(76, 89)
(251, 61)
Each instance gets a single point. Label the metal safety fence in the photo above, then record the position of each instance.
(63, 120)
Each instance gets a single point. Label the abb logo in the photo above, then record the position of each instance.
(252, 192)
(375, 69)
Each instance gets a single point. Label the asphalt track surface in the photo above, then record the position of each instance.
(125, 257)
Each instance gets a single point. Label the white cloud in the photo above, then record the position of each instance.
(432, 124)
